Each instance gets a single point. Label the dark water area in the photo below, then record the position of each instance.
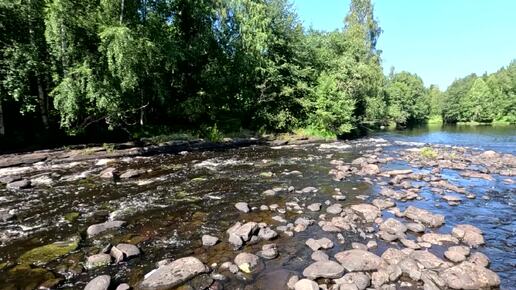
(181, 197)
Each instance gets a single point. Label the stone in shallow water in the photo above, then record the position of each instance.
(470, 235)
(415, 227)
(367, 211)
(334, 209)
(267, 233)
(131, 173)
(129, 250)
(20, 184)
(306, 284)
(314, 207)
(359, 260)
(319, 256)
(96, 229)
(467, 275)
(323, 269)
(97, 261)
(209, 241)
(173, 274)
(479, 259)
(359, 279)
(269, 251)
(323, 243)
(393, 226)
(457, 253)
(242, 206)
(428, 260)
(247, 262)
(424, 216)
(99, 283)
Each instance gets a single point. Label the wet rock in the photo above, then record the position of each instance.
(10, 178)
(235, 240)
(209, 241)
(457, 253)
(129, 250)
(388, 237)
(305, 284)
(393, 256)
(292, 281)
(309, 189)
(116, 254)
(339, 197)
(369, 169)
(245, 231)
(109, 173)
(371, 244)
(323, 269)
(267, 233)
(438, 239)
(132, 173)
(393, 226)
(247, 262)
(242, 206)
(479, 259)
(410, 244)
(20, 184)
(411, 268)
(415, 227)
(269, 251)
(359, 260)
(470, 235)
(319, 256)
(428, 260)
(97, 261)
(44, 254)
(229, 266)
(360, 280)
(367, 211)
(467, 275)
(173, 274)
(99, 283)
(6, 216)
(334, 208)
(123, 286)
(323, 243)
(385, 275)
(383, 203)
(314, 207)
(424, 216)
(96, 229)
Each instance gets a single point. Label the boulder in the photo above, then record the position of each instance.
(393, 226)
(467, 275)
(367, 211)
(428, 260)
(359, 279)
(424, 216)
(98, 260)
(305, 284)
(99, 283)
(456, 253)
(173, 274)
(96, 229)
(269, 251)
(314, 207)
(479, 259)
(334, 208)
(19, 184)
(132, 173)
(209, 241)
(242, 206)
(359, 260)
(129, 250)
(323, 243)
(323, 269)
(470, 235)
(247, 262)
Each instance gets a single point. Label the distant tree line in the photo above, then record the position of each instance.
(79, 67)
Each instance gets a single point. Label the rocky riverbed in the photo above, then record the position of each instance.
(362, 214)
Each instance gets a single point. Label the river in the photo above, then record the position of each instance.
(175, 199)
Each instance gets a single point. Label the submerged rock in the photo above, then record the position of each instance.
(209, 241)
(44, 254)
(306, 284)
(97, 261)
(173, 274)
(247, 262)
(242, 206)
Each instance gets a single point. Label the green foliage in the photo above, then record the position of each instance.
(408, 102)
(428, 152)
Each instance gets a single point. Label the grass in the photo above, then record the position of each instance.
(314, 133)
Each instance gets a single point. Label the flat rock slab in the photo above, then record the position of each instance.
(174, 274)
(424, 216)
(369, 212)
(359, 260)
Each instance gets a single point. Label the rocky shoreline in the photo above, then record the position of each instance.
(377, 240)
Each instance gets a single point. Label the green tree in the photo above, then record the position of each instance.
(408, 102)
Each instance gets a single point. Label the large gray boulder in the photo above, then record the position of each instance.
(359, 260)
(424, 216)
(99, 283)
(96, 229)
(174, 274)
(367, 211)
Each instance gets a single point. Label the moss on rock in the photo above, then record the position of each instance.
(44, 254)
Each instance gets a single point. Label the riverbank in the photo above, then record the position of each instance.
(373, 212)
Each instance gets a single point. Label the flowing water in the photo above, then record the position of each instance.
(180, 197)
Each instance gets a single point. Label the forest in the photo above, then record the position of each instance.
(104, 69)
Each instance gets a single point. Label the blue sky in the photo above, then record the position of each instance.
(440, 40)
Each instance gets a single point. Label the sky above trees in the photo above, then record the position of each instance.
(440, 40)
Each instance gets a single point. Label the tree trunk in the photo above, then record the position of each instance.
(2, 127)
(122, 2)
(42, 100)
